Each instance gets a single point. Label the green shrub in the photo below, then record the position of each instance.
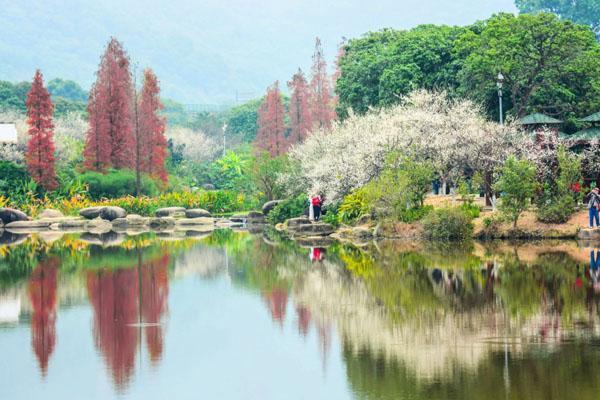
(447, 224)
(287, 209)
(116, 183)
(517, 184)
(12, 176)
(556, 211)
(471, 209)
(330, 215)
(413, 214)
(353, 207)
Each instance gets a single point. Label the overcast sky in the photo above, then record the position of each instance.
(204, 51)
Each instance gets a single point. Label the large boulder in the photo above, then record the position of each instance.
(197, 213)
(50, 213)
(269, 206)
(255, 217)
(90, 212)
(293, 223)
(98, 226)
(28, 225)
(195, 221)
(8, 215)
(208, 186)
(170, 212)
(161, 223)
(318, 229)
(132, 220)
(111, 213)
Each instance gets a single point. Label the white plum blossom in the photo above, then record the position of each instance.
(452, 134)
(196, 145)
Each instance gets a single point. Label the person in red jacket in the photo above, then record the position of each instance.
(316, 203)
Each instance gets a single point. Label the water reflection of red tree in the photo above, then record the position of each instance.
(119, 298)
(303, 320)
(276, 300)
(155, 290)
(42, 294)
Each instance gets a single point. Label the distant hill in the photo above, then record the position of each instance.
(203, 52)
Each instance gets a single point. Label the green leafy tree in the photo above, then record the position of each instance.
(265, 173)
(382, 66)
(538, 56)
(585, 12)
(517, 186)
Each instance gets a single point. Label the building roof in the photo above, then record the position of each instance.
(8, 133)
(592, 118)
(538, 119)
(585, 135)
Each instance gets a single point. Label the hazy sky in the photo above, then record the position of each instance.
(204, 51)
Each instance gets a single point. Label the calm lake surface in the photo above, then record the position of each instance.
(235, 315)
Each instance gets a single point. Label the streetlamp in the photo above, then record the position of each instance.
(499, 83)
(224, 129)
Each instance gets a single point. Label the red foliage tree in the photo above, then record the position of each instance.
(40, 147)
(97, 144)
(321, 99)
(299, 108)
(153, 146)
(338, 72)
(112, 106)
(42, 294)
(271, 125)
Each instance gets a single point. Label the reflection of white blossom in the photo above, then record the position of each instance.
(452, 134)
(195, 145)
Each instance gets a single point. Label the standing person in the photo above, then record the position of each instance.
(316, 204)
(593, 200)
(311, 210)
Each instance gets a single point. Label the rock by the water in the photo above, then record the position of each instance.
(170, 212)
(32, 226)
(90, 212)
(292, 223)
(269, 206)
(208, 186)
(50, 213)
(317, 229)
(111, 213)
(589, 234)
(98, 225)
(255, 217)
(195, 221)
(8, 215)
(196, 213)
(241, 218)
(161, 223)
(69, 223)
(132, 220)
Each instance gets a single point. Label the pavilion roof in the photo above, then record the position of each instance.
(538, 119)
(584, 135)
(592, 118)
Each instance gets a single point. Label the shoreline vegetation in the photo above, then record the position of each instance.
(374, 150)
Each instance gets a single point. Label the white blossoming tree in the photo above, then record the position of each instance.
(452, 134)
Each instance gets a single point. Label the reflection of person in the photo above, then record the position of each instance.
(595, 270)
(316, 254)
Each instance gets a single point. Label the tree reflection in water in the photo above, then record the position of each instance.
(42, 294)
(125, 301)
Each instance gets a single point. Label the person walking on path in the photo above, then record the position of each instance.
(593, 201)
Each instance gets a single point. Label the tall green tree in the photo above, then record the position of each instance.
(517, 185)
(379, 67)
(550, 65)
(585, 12)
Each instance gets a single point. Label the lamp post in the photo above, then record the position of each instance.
(499, 83)
(224, 129)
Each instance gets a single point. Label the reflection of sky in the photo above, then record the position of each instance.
(220, 344)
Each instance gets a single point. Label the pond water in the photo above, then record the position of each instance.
(235, 315)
